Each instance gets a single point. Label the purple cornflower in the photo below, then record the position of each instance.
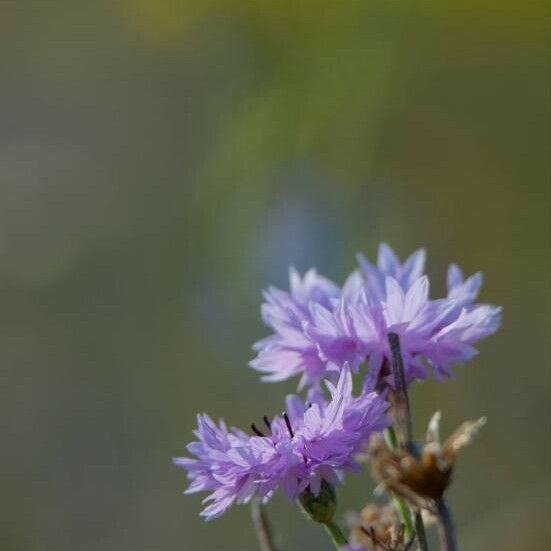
(311, 442)
(317, 328)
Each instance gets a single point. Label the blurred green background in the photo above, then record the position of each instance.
(162, 161)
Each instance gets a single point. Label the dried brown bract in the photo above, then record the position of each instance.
(422, 478)
(379, 529)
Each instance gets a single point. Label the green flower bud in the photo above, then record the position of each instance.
(322, 507)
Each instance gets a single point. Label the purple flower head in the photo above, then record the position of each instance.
(314, 440)
(319, 328)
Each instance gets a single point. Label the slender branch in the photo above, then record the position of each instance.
(262, 526)
(404, 422)
(336, 534)
(390, 438)
(448, 541)
(420, 530)
(401, 506)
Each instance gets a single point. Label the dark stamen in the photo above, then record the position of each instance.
(267, 423)
(288, 423)
(256, 431)
(370, 533)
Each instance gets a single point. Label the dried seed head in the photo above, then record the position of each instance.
(422, 480)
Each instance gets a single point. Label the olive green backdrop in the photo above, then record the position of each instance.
(161, 161)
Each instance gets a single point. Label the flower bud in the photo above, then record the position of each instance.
(322, 507)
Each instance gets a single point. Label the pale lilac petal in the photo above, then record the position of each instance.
(455, 276)
(416, 299)
(353, 286)
(374, 279)
(413, 268)
(387, 261)
(394, 305)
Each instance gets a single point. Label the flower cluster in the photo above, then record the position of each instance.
(322, 332)
(311, 442)
(317, 327)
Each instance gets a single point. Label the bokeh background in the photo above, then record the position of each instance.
(161, 161)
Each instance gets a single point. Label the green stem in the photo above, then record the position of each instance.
(391, 438)
(401, 506)
(337, 537)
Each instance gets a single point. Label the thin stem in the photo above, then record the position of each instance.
(420, 530)
(448, 541)
(262, 526)
(404, 422)
(390, 438)
(401, 506)
(337, 537)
